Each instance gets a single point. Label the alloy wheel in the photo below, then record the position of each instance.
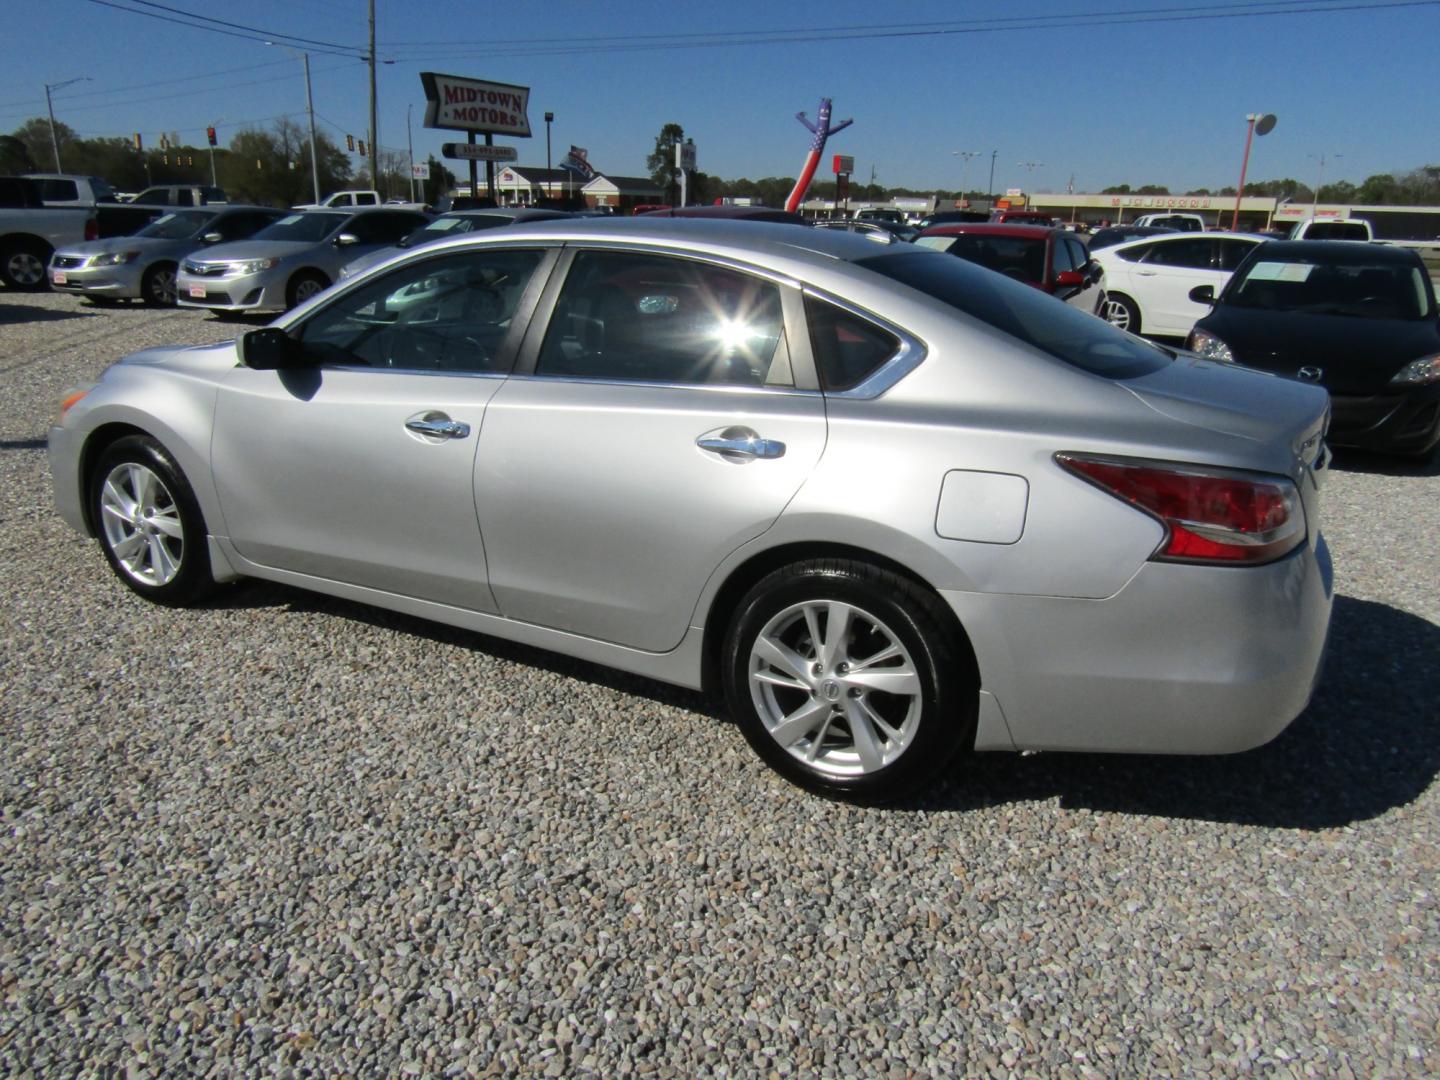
(835, 687)
(142, 525)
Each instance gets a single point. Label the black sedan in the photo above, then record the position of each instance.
(1359, 319)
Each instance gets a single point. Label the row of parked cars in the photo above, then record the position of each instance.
(1358, 319)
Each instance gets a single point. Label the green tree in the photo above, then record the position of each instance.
(661, 160)
(35, 134)
(14, 157)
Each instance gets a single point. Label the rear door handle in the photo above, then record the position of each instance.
(740, 444)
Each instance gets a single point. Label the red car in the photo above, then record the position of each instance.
(1051, 260)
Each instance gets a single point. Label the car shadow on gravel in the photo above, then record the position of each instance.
(1369, 742)
(14, 314)
(1362, 461)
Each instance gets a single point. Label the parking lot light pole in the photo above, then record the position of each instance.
(1259, 124)
(964, 156)
(1319, 181)
(990, 188)
(54, 139)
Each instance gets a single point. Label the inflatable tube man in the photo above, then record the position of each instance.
(823, 131)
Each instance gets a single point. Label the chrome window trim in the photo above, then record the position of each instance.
(721, 388)
(368, 369)
(902, 362)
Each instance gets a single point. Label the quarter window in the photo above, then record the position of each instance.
(452, 313)
(848, 349)
(653, 318)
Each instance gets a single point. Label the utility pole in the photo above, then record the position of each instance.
(310, 105)
(990, 189)
(54, 139)
(374, 135)
(410, 144)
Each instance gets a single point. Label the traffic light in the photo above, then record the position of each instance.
(210, 134)
(189, 159)
(164, 159)
(361, 144)
(350, 143)
(139, 148)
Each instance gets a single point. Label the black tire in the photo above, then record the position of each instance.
(926, 727)
(1120, 311)
(303, 286)
(157, 287)
(23, 263)
(168, 560)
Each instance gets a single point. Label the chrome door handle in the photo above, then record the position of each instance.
(740, 444)
(442, 429)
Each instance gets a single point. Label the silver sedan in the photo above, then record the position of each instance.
(894, 506)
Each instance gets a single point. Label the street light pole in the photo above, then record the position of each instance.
(1320, 181)
(1259, 124)
(990, 189)
(54, 139)
(964, 156)
(310, 105)
(410, 145)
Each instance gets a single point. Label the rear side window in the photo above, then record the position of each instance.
(1026, 314)
(58, 190)
(848, 349)
(1336, 230)
(1191, 254)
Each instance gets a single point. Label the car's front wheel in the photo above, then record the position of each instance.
(848, 679)
(157, 288)
(304, 285)
(149, 523)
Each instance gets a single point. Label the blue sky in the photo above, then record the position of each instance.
(1111, 91)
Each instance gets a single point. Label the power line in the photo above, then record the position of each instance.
(1073, 20)
(253, 34)
(144, 86)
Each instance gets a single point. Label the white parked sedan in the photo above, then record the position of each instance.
(1147, 282)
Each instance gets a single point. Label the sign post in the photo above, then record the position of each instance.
(844, 165)
(476, 107)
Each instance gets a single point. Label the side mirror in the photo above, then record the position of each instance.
(1070, 279)
(213, 237)
(345, 239)
(1203, 294)
(269, 349)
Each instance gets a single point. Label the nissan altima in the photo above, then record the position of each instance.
(894, 506)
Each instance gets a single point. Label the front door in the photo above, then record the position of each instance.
(358, 467)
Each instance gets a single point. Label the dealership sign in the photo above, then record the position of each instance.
(472, 105)
(1170, 202)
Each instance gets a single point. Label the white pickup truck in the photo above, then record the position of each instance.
(1330, 228)
(30, 231)
(344, 200)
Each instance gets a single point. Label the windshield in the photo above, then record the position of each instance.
(1018, 257)
(176, 226)
(309, 227)
(450, 225)
(1358, 289)
(1050, 325)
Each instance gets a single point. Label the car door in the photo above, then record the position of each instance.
(1163, 279)
(656, 425)
(358, 467)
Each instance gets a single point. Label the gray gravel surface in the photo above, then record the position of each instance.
(290, 835)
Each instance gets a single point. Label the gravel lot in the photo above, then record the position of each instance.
(297, 836)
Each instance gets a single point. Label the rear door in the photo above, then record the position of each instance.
(655, 424)
(1164, 278)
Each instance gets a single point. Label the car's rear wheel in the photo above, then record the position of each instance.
(149, 523)
(22, 265)
(304, 285)
(157, 287)
(848, 679)
(1120, 311)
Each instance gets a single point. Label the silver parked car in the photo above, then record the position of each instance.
(455, 223)
(289, 261)
(144, 265)
(894, 505)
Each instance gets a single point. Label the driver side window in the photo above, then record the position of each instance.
(452, 313)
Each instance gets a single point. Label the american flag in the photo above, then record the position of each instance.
(576, 161)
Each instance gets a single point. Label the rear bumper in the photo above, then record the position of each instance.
(1183, 660)
(1402, 423)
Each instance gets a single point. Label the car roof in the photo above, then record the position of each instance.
(768, 240)
(731, 213)
(1176, 237)
(1034, 232)
(1339, 251)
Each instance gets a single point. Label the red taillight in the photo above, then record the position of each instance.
(1210, 515)
(92, 229)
